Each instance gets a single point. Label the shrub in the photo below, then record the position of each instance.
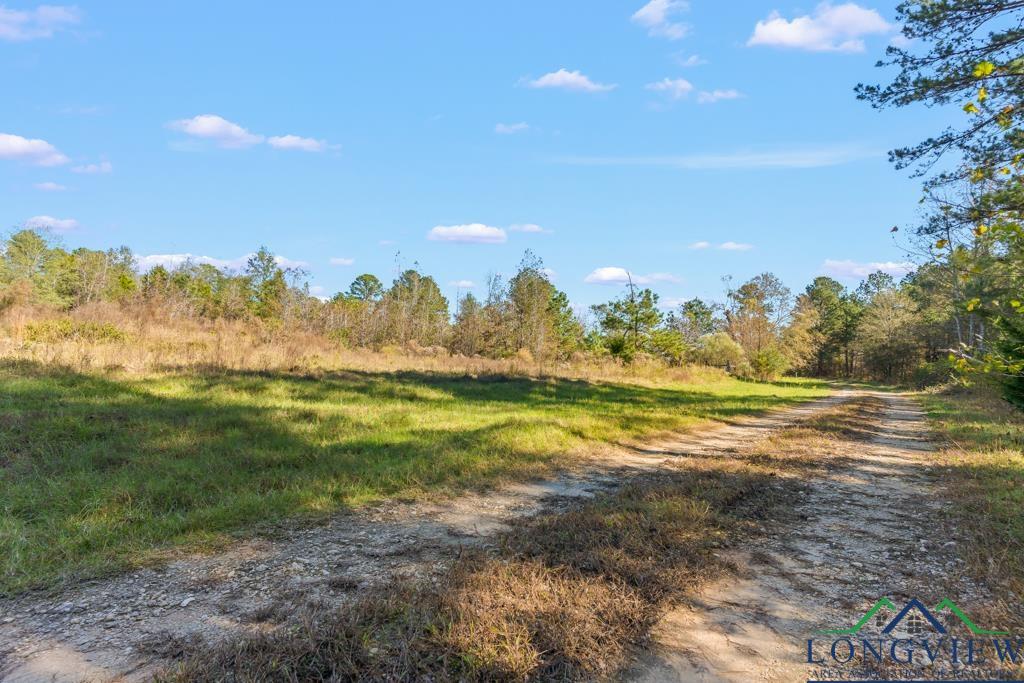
(768, 364)
(720, 351)
(65, 329)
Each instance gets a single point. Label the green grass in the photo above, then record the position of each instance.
(99, 472)
(984, 467)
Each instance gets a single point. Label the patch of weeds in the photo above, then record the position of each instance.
(65, 329)
(982, 463)
(564, 597)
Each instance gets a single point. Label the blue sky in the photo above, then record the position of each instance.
(359, 137)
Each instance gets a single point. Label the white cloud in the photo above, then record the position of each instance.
(92, 169)
(172, 261)
(569, 80)
(527, 227)
(831, 28)
(31, 151)
(510, 128)
(676, 88)
(296, 142)
(42, 22)
(471, 233)
(790, 158)
(614, 275)
(342, 261)
(50, 187)
(690, 61)
(855, 270)
(725, 246)
(656, 16)
(51, 223)
(712, 96)
(218, 129)
(901, 41)
(462, 284)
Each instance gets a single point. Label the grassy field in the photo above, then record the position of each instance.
(983, 456)
(563, 597)
(103, 470)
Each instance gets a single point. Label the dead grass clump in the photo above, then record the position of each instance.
(810, 447)
(564, 597)
(488, 620)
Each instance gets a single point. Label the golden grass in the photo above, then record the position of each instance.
(153, 341)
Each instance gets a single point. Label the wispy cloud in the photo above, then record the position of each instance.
(297, 143)
(342, 261)
(470, 233)
(30, 151)
(657, 17)
(41, 22)
(510, 128)
(50, 186)
(712, 96)
(830, 28)
(615, 275)
(230, 135)
(527, 227)
(569, 80)
(462, 284)
(93, 169)
(51, 223)
(171, 261)
(675, 88)
(724, 246)
(855, 270)
(792, 158)
(690, 61)
(217, 129)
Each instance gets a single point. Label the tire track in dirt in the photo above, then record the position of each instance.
(868, 530)
(121, 627)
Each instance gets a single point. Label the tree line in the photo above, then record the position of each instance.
(881, 329)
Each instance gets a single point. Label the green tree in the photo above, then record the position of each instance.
(416, 309)
(29, 259)
(268, 284)
(838, 314)
(366, 287)
(695, 319)
(629, 322)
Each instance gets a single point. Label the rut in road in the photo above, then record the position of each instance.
(107, 629)
(874, 527)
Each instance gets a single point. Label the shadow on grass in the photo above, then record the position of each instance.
(98, 471)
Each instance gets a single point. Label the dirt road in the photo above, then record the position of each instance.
(872, 524)
(873, 528)
(120, 627)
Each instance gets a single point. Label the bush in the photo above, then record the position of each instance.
(768, 364)
(669, 345)
(56, 331)
(721, 351)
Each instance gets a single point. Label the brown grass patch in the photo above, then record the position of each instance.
(566, 596)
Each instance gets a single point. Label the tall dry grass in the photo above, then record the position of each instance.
(148, 339)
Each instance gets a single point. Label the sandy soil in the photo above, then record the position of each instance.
(874, 527)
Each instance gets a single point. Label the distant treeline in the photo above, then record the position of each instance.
(882, 329)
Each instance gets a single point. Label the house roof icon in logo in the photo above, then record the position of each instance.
(916, 616)
(914, 607)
